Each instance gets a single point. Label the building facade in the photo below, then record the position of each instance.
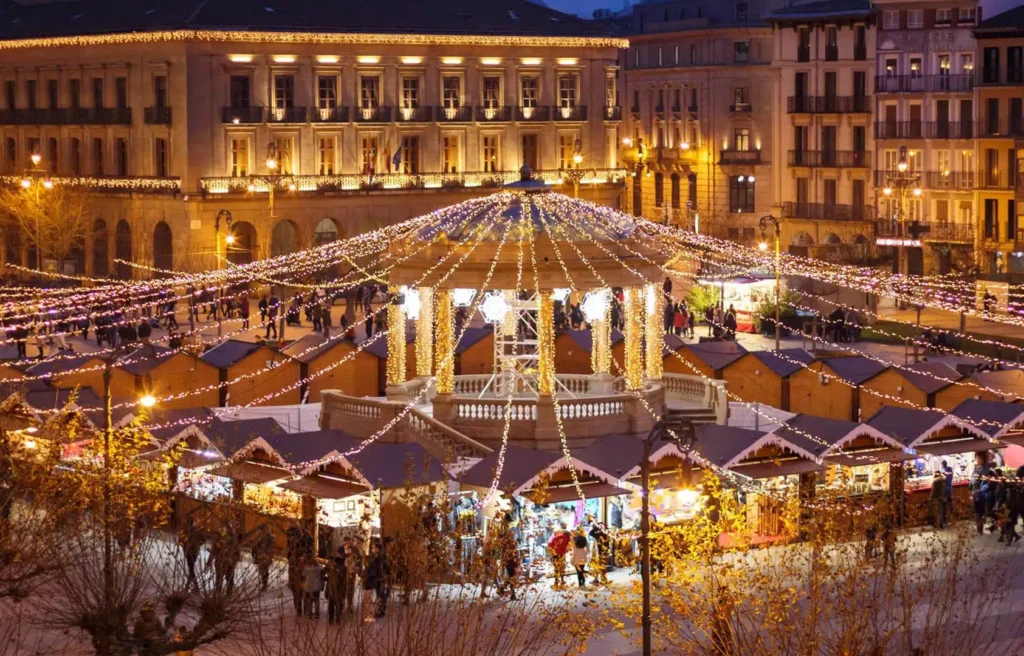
(167, 117)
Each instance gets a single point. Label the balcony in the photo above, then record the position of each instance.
(659, 112)
(996, 78)
(414, 115)
(573, 113)
(238, 115)
(924, 129)
(287, 115)
(747, 156)
(157, 116)
(613, 113)
(827, 212)
(828, 105)
(462, 114)
(997, 180)
(953, 180)
(999, 128)
(947, 231)
(493, 114)
(372, 114)
(740, 108)
(532, 114)
(67, 116)
(840, 159)
(924, 83)
(900, 130)
(330, 115)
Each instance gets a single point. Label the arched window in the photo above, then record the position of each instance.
(244, 246)
(100, 249)
(283, 238)
(163, 249)
(326, 232)
(123, 249)
(675, 191)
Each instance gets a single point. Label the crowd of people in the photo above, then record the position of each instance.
(997, 499)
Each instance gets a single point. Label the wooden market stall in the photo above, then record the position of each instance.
(245, 368)
(922, 385)
(86, 370)
(829, 387)
(319, 358)
(166, 373)
(573, 351)
(709, 359)
(474, 354)
(764, 376)
(379, 349)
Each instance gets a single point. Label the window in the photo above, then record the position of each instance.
(52, 94)
(75, 93)
(741, 51)
(943, 17)
(160, 157)
(891, 66)
(369, 154)
(97, 156)
(741, 139)
(860, 43)
(284, 91)
(1014, 65)
(741, 98)
(121, 152)
(741, 12)
(890, 20)
(990, 65)
(33, 145)
(691, 190)
(944, 64)
(369, 91)
(11, 94)
(966, 16)
(693, 54)
(965, 212)
(492, 92)
(451, 92)
(30, 93)
(52, 155)
(741, 194)
(661, 100)
(239, 158)
(915, 19)
(410, 92)
(160, 90)
(530, 154)
(528, 87)
(659, 189)
(915, 67)
(450, 153)
(675, 55)
(942, 211)
(611, 92)
(121, 92)
(967, 62)
(491, 153)
(327, 157)
(327, 92)
(97, 92)
(675, 190)
(284, 154)
(803, 44)
(831, 43)
(636, 57)
(661, 59)
(240, 97)
(566, 148)
(693, 99)
(567, 91)
(410, 155)
(75, 156)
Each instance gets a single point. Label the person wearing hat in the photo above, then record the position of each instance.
(937, 500)
(148, 631)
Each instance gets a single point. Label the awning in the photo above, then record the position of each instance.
(250, 472)
(324, 488)
(949, 447)
(1015, 439)
(771, 469)
(591, 491)
(872, 457)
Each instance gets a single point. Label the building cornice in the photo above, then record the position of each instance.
(316, 38)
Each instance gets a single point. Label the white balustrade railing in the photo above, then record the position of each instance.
(494, 410)
(571, 409)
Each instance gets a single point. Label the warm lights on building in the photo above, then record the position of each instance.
(412, 61)
(368, 59)
(491, 61)
(240, 59)
(451, 61)
(568, 61)
(328, 59)
(530, 61)
(284, 59)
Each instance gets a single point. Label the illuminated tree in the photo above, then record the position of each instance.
(52, 221)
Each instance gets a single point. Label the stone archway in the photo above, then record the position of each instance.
(284, 238)
(243, 250)
(123, 249)
(326, 232)
(832, 239)
(100, 249)
(803, 239)
(163, 249)
(12, 245)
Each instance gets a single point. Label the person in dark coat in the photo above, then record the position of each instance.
(263, 554)
(937, 500)
(294, 552)
(191, 540)
(373, 583)
(369, 325)
(337, 577)
(1014, 507)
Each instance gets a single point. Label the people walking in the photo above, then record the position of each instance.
(558, 546)
(273, 307)
(337, 577)
(353, 569)
(1014, 507)
(263, 554)
(191, 541)
(243, 310)
(937, 500)
(580, 556)
(312, 585)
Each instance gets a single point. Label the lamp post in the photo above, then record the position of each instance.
(902, 182)
(574, 173)
(636, 163)
(228, 240)
(765, 220)
(36, 180)
(669, 427)
(272, 179)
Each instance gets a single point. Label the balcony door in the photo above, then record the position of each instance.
(942, 119)
(530, 158)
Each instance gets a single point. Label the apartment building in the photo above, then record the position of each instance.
(999, 99)
(924, 102)
(169, 114)
(700, 93)
(822, 180)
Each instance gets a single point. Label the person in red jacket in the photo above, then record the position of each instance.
(558, 545)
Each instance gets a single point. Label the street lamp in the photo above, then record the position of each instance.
(228, 240)
(574, 173)
(34, 179)
(765, 220)
(147, 401)
(636, 164)
(273, 178)
(669, 427)
(902, 183)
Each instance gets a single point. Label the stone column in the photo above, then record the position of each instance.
(444, 359)
(425, 334)
(396, 347)
(633, 316)
(655, 331)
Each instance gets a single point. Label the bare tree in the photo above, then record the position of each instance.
(53, 221)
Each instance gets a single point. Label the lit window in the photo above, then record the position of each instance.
(741, 193)
(327, 157)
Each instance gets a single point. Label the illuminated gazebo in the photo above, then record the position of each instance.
(511, 258)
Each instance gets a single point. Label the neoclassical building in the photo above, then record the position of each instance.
(314, 121)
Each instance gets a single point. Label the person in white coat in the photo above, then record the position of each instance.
(580, 557)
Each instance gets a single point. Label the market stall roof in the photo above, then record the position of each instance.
(226, 438)
(324, 487)
(163, 424)
(59, 363)
(1010, 381)
(145, 358)
(993, 418)
(309, 347)
(591, 490)
(929, 377)
(379, 346)
(781, 363)
(728, 446)
(855, 369)
(306, 449)
(958, 444)
(229, 352)
(249, 472)
(622, 455)
(912, 426)
(716, 355)
(523, 469)
(824, 436)
(397, 465)
(585, 341)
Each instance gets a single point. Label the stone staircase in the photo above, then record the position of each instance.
(696, 416)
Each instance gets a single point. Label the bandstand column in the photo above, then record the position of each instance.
(633, 316)
(601, 353)
(547, 423)
(396, 347)
(425, 333)
(443, 358)
(655, 332)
